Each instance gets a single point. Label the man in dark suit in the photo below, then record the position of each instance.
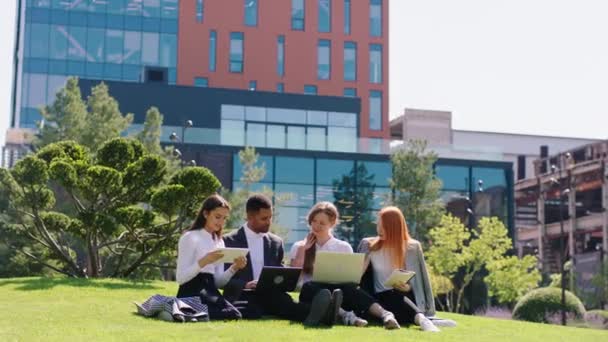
(266, 249)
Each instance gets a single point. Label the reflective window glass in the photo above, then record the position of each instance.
(294, 170)
(375, 110)
(315, 138)
(296, 137)
(275, 136)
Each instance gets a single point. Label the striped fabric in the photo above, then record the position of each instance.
(188, 309)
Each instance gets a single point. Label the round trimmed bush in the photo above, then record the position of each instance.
(540, 304)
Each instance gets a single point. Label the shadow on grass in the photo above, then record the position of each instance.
(33, 284)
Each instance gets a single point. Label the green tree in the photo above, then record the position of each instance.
(454, 249)
(353, 197)
(416, 188)
(149, 136)
(122, 213)
(89, 123)
(511, 277)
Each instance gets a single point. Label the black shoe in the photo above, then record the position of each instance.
(318, 308)
(331, 317)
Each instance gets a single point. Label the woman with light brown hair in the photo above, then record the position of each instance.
(389, 252)
(322, 218)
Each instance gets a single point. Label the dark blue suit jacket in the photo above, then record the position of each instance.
(273, 256)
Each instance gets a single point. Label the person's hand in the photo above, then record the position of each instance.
(311, 239)
(210, 258)
(251, 285)
(403, 287)
(239, 263)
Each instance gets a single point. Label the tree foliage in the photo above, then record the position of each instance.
(121, 211)
(510, 278)
(353, 197)
(456, 250)
(416, 188)
(90, 123)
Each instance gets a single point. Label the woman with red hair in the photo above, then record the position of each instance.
(386, 253)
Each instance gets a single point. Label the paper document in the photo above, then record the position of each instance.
(230, 254)
(399, 276)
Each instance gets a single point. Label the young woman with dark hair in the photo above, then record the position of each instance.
(322, 218)
(198, 272)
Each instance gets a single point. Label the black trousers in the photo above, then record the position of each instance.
(274, 303)
(355, 299)
(401, 304)
(203, 285)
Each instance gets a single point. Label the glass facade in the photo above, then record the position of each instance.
(323, 59)
(201, 82)
(236, 52)
(212, 50)
(350, 92)
(251, 12)
(289, 128)
(346, 16)
(357, 187)
(375, 18)
(281, 55)
(469, 200)
(310, 89)
(324, 15)
(297, 15)
(375, 63)
(375, 110)
(350, 61)
(111, 40)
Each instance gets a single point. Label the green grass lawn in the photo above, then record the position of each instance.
(40, 309)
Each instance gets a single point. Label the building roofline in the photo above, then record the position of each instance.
(528, 135)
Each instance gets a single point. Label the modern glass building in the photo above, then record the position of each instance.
(297, 79)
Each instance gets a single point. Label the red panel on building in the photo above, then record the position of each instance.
(260, 50)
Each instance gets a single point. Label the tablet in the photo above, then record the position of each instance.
(230, 254)
(399, 276)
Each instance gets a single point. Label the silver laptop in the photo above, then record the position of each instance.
(338, 268)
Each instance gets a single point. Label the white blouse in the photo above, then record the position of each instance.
(383, 268)
(193, 245)
(331, 245)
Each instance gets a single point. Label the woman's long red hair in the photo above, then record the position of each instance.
(395, 235)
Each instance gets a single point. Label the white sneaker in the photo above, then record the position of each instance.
(389, 321)
(349, 318)
(427, 325)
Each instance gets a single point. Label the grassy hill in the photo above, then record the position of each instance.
(42, 309)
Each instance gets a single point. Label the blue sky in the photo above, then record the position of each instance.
(517, 66)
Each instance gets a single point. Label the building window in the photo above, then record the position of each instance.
(375, 18)
(375, 63)
(251, 12)
(280, 87)
(323, 59)
(199, 11)
(324, 15)
(297, 15)
(310, 89)
(281, 55)
(375, 110)
(212, 50)
(201, 82)
(350, 61)
(346, 16)
(253, 85)
(236, 52)
(350, 92)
